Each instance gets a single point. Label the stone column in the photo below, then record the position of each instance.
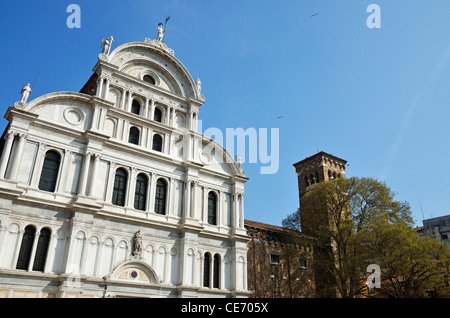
(221, 273)
(202, 272)
(37, 167)
(125, 132)
(33, 251)
(191, 120)
(130, 101)
(166, 267)
(149, 138)
(152, 110)
(196, 121)
(241, 214)
(85, 249)
(170, 197)
(123, 101)
(146, 108)
(3, 233)
(173, 117)
(148, 206)
(102, 119)
(6, 152)
(219, 220)
(93, 176)
(154, 176)
(98, 261)
(131, 189)
(84, 173)
(234, 210)
(110, 184)
(100, 86)
(187, 199)
(105, 95)
(194, 199)
(17, 156)
(168, 116)
(50, 253)
(211, 270)
(61, 181)
(205, 205)
(17, 248)
(144, 136)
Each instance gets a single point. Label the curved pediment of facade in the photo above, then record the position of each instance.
(136, 271)
(216, 157)
(70, 109)
(138, 59)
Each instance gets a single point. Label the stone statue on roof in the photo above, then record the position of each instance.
(26, 90)
(161, 32)
(198, 84)
(106, 45)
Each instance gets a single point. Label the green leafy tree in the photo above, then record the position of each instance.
(411, 266)
(339, 215)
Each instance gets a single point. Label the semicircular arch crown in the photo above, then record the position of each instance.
(139, 59)
(134, 271)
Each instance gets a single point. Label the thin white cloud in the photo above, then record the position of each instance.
(393, 150)
(443, 63)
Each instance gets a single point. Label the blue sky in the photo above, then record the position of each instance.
(377, 98)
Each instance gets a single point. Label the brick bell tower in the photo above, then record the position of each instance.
(317, 168)
(311, 170)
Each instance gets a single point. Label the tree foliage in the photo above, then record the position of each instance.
(355, 222)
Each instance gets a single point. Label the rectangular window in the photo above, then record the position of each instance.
(302, 263)
(274, 259)
(140, 195)
(160, 197)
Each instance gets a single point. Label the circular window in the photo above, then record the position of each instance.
(149, 79)
(73, 116)
(134, 274)
(205, 158)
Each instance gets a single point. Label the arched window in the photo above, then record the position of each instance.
(157, 143)
(216, 266)
(140, 194)
(149, 79)
(317, 177)
(334, 175)
(41, 250)
(212, 208)
(157, 115)
(49, 173)
(160, 196)
(26, 247)
(120, 187)
(135, 107)
(133, 138)
(306, 182)
(206, 265)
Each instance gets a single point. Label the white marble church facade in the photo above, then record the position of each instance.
(112, 191)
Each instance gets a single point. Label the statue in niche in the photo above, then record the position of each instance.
(106, 45)
(26, 90)
(137, 244)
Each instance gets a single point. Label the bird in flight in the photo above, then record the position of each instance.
(314, 14)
